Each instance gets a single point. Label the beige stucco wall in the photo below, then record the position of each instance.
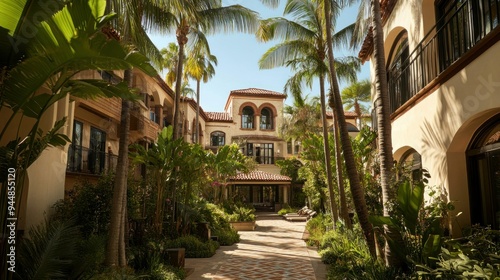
(441, 125)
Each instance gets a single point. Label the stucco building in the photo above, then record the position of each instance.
(444, 89)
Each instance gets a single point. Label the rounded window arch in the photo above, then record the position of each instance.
(412, 161)
(398, 72)
(483, 171)
(247, 117)
(266, 118)
(217, 138)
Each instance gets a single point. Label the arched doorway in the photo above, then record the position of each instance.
(483, 168)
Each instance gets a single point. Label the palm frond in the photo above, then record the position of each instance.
(282, 28)
(283, 52)
(228, 19)
(49, 252)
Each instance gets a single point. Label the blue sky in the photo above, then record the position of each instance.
(238, 55)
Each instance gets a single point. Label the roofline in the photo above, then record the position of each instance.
(386, 8)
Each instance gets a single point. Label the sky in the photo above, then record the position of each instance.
(238, 55)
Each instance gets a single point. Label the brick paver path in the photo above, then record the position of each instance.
(274, 251)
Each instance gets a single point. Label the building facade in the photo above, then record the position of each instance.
(444, 90)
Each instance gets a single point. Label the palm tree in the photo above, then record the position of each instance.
(335, 103)
(135, 17)
(63, 45)
(355, 95)
(200, 66)
(192, 18)
(304, 50)
(372, 17)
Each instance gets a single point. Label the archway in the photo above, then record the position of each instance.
(483, 169)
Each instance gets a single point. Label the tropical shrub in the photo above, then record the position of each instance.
(195, 248)
(218, 221)
(474, 256)
(149, 262)
(242, 214)
(56, 250)
(317, 228)
(89, 204)
(287, 209)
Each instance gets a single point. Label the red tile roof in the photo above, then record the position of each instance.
(257, 91)
(260, 176)
(219, 116)
(348, 114)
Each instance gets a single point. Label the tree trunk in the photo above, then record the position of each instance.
(182, 32)
(335, 103)
(197, 130)
(326, 144)
(120, 188)
(344, 212)
(384, 128)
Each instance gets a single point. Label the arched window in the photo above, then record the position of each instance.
(217, 138)
(398, 72)
(412, 161)
(483, 170)
(266, 119)
(247, 118)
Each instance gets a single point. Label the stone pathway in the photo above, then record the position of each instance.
(274, 251)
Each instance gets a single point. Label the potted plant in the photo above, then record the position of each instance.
(242, 219)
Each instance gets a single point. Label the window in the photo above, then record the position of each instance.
(462, 23)
(75, 149)
(267, 153)
(247, 117)
(398, 73)
(412, 161)
(266, 119)
(289, 147)
(217, 138)
(97, 151)
(483, 170)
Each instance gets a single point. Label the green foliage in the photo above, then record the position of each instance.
(344, 247)
(195, 248)
(242, 214)
(149, 260)
(56, 250)
(474, 256)
(290, 168)
(218, 221)
(285, 209)
(89, 204)
(317, 227)
(419, 227)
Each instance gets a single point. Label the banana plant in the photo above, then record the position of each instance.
(48, 44)
(422, 233)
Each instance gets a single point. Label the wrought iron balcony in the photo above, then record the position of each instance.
(89, 161)
(454, 35)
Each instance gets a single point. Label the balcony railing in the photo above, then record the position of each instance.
(88, 161)
(453, 35)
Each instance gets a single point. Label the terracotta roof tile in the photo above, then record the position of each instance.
(257, 176)
(219, 116)
(386, 7)
(257, 91)
(348, 114)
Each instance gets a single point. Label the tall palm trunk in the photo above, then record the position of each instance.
(326, 148)
(197, 130)
(335, 103)
(344, 212)
(116, 240)
(182, 39)
(384, 128)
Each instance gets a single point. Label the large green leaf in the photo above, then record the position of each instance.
(410, 199)
(66, 48)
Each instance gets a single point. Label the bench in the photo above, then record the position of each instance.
(303, 217)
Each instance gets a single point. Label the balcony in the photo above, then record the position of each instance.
(142, 125)
(88, 161)
(442, 52)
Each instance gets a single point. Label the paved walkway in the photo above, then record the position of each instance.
(274, 251)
